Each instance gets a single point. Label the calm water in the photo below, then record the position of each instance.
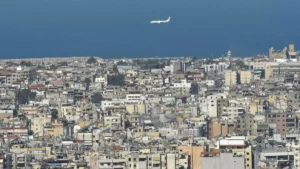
(118, 28)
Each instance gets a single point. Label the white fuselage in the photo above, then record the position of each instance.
(161, 21)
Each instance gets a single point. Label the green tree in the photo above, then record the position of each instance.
(22, 96)
(115, 68)
(64, 63)
(31, 95)
(194, 88)
(210, 61)
(240, 64)
(97, 97)
(25, 63)
(91, 60)
(32, 75)
(67, 85)
(137, 62)
(54, 114)
(52, 67)
(10, 63)
(194, 59)
(40, 67)
(121, 62)
(116, 80)
(87, 82)
(15, 112)
(151, 62)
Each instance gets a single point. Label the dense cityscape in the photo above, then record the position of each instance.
(152, 113)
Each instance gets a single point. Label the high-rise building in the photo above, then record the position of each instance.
(175, 66)
(230, 78)
(246, 76)
(292, 54)
(229, 55)
(291, 48)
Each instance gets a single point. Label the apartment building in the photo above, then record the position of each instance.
(231, 77)
(152, 161)
(181, 89)
(284, 122)
(239, 147)
(245, 76)
(220, 128)
(217, 160)
(194, 152)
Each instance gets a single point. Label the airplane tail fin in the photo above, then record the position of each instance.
(169, 18)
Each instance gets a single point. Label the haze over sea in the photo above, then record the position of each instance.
(121, 28)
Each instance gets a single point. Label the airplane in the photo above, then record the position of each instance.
(161, 21)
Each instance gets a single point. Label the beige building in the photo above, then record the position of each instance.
(245, 76)
(256, 107)
(55, 129)
(220, 128)
(194, 152)
(276, 69)
(39, 122)
(230, 78)
(152, 161)
(133, 119)
(136, 108)
(6, 113)
(277, 54)
(114, 122)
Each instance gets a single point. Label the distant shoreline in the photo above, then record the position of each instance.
(86, 57)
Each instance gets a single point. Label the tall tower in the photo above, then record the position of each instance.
(291, 48)
(228, 55)
(271, 51)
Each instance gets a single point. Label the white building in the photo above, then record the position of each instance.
(210, 83)
(135, 97)
(101, 79)
(230, 113)
(257, 65)
(209, 104)
(220, 67)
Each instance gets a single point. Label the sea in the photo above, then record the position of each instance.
(121, 28)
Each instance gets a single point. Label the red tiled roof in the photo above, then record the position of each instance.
(5, 72)
(36, 87)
